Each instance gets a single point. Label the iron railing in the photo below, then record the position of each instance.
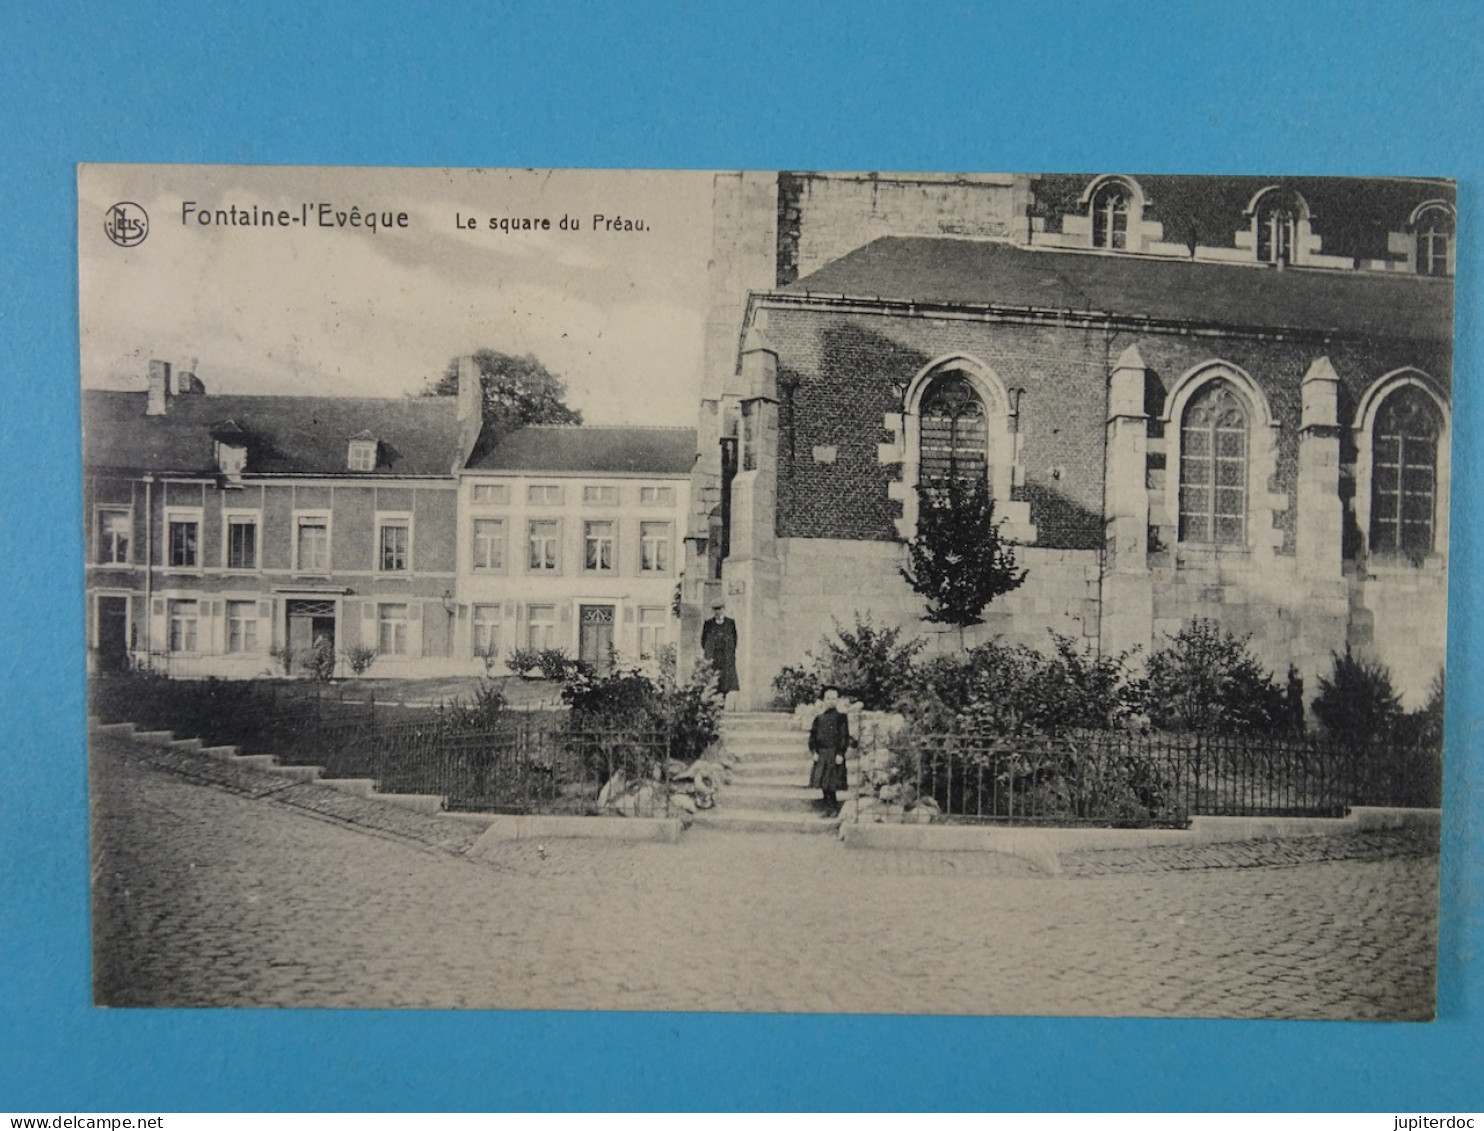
(1116, 778)
(510, 762)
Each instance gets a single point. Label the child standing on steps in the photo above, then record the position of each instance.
(829, 739)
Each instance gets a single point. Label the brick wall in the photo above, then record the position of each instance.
(840, 373)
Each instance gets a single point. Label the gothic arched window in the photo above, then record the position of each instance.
(1213, 466)
(1404, 473)
(1434, 240)
(954, 433)
(1110, 209)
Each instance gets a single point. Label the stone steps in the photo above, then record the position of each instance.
(802, 820)
(770, 768)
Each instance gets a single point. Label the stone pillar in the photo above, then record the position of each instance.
(752, 573)
(1320, 519)
(1322, 600)
(1127, 594)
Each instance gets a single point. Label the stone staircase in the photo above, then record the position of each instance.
(769, 790)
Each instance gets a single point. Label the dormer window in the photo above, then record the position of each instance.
(362, 453)
(1110, 209)
(1434, 225)
(229, 448)
(1280, 221)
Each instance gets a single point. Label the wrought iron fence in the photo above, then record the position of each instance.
(510, 762)
(1114, 778)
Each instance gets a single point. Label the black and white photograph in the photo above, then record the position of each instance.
(766, 592)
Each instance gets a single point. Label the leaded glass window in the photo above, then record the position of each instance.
(1213, 467)
(954, 434)
(1404, 473)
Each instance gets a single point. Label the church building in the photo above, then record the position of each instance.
(1222, 398)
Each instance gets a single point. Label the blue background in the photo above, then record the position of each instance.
(1316, 88)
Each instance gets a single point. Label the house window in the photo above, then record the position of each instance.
(541, 627)
(1434, 240)
(183, 624)
(391, 630)
(1110, 208)
(115, 528)
(597, 546)
(656, 496)
(362, 455)
(486, 630)
(954, 434)
(490, 494)
(242, 626)
(544, 536)
(1277, 221)
(312, 544)
(601, 496)
(242, 542)
(544, 494)
(489, 544)
(1213, 467)
(185, 542)
(654, 547)
(1404, 473)
(653, 622)
(393, 544)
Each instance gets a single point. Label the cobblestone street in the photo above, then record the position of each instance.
(206, 895)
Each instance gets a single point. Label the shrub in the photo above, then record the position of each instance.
(794, 686)
(484, 712)
(320, 662)
(523, 661)
(1205, 679)
(360, 657)
(285, 654)
(617, 718)
(1357, 702)
(553, 663)
(1075, 688)
(869, 663)
(984, 692)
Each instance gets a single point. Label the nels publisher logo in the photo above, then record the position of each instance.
(126, 224)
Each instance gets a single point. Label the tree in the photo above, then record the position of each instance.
(1207, 680)
(517, 391)
(959, 560)
(1356, 702)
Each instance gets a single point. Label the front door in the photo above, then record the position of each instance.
(595, 643)
(113, 633)
(311, 626)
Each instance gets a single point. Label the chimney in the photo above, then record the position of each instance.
(158, 401)
(470, 411)
(471, 393)
(186, 381)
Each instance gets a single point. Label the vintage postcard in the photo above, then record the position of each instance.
(766, 591)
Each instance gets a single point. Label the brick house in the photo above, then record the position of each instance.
(223, 529)
(1191, 397)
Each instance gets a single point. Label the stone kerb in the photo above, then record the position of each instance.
(499, 827)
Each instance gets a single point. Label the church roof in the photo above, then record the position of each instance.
(977, 273)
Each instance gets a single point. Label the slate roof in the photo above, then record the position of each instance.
(285, 435)
(1352, 215)
(589, 449)
(979, 273)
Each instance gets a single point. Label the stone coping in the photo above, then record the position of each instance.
(1044, 846)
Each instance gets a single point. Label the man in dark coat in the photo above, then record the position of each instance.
(719, 643)
(829, 739)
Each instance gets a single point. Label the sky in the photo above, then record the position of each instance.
(342, 310)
